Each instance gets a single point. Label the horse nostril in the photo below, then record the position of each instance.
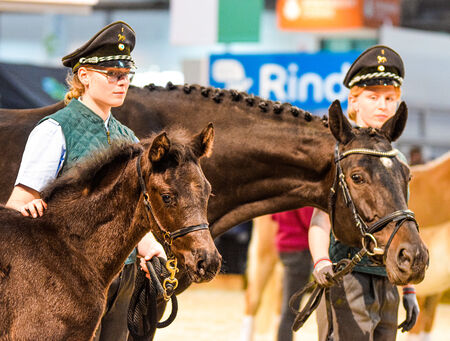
(201, 267)
(404, 257)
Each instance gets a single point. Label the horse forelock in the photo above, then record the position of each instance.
(181, 150)
(240, 98)
(83, 173)
(371, 138)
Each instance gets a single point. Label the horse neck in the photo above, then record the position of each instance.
(277, 170)
(104, 227)
(262, 162)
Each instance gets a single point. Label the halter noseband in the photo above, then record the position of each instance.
(169, 237)
(399, 217)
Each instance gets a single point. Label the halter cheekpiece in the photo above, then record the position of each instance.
(169, 237)
(170, 283)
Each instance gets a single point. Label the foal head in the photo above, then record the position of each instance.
(377, 183)
(178, 194)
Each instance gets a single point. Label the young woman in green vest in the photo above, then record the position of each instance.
(101, 73)
(364, 305)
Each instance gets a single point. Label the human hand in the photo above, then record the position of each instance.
(34, 208)
(323, 272)
(412, 309)
(149, 249)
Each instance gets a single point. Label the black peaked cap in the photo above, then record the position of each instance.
(111, 44)
(378, 65)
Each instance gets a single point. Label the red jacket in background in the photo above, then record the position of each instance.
(293, 228)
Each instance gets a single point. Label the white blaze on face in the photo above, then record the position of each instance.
(387, 162)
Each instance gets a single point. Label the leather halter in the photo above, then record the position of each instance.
(169, 237)
(399, 217)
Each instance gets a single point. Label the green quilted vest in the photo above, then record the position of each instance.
(85, 132)
(339, 251)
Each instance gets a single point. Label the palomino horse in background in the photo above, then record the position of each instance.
(429, 195)
(55, 270)
(269, 157)
(430, 200)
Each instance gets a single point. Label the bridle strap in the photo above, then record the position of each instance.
(399, 216)
(365, 151)
(169, 237)
(399, 223)
(189, 229)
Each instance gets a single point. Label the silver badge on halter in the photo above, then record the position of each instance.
(386, 161)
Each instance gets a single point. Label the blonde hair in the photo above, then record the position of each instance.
(355, 91)
(76, 88)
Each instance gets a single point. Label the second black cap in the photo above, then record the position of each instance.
(378, 65)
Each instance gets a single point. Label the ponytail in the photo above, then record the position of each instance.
(76, 88)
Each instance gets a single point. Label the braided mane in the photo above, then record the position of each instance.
(241, 98)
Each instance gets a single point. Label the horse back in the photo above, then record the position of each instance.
(15, 126)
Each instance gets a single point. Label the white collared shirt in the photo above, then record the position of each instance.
(44, 155)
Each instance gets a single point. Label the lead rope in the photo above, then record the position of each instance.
(142, 311)
(340, 269)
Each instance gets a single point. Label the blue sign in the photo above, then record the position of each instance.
(309, 81)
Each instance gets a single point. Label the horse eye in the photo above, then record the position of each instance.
(166, 198)
(357, 179)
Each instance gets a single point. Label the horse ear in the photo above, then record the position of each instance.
(394, 126)
(160, 146)
(339, 125)
(203, 142)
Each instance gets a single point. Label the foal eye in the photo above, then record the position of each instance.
(357, 179)
(166, 198)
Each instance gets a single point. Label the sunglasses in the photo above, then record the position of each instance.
(113, 76)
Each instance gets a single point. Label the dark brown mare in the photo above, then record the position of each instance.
(269, 157)
(55, 270)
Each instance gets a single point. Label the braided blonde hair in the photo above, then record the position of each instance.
(355, 91)
(76, 88)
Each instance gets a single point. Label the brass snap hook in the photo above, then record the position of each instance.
(171, 283)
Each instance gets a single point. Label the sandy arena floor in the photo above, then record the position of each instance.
(214, 311)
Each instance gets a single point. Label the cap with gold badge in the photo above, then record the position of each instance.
(110, 47)
(378, 65)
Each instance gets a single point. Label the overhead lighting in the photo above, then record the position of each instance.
(55, 6)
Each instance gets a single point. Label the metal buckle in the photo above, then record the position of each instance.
(376, 250)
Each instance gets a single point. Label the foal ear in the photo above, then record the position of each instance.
(202, 143)
(339, 125)
(160, 147)
(394, 126)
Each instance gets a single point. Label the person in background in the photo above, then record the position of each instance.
(292, 244)
(364, 305)
(285, 236)
(100, 76)
(415, 156)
